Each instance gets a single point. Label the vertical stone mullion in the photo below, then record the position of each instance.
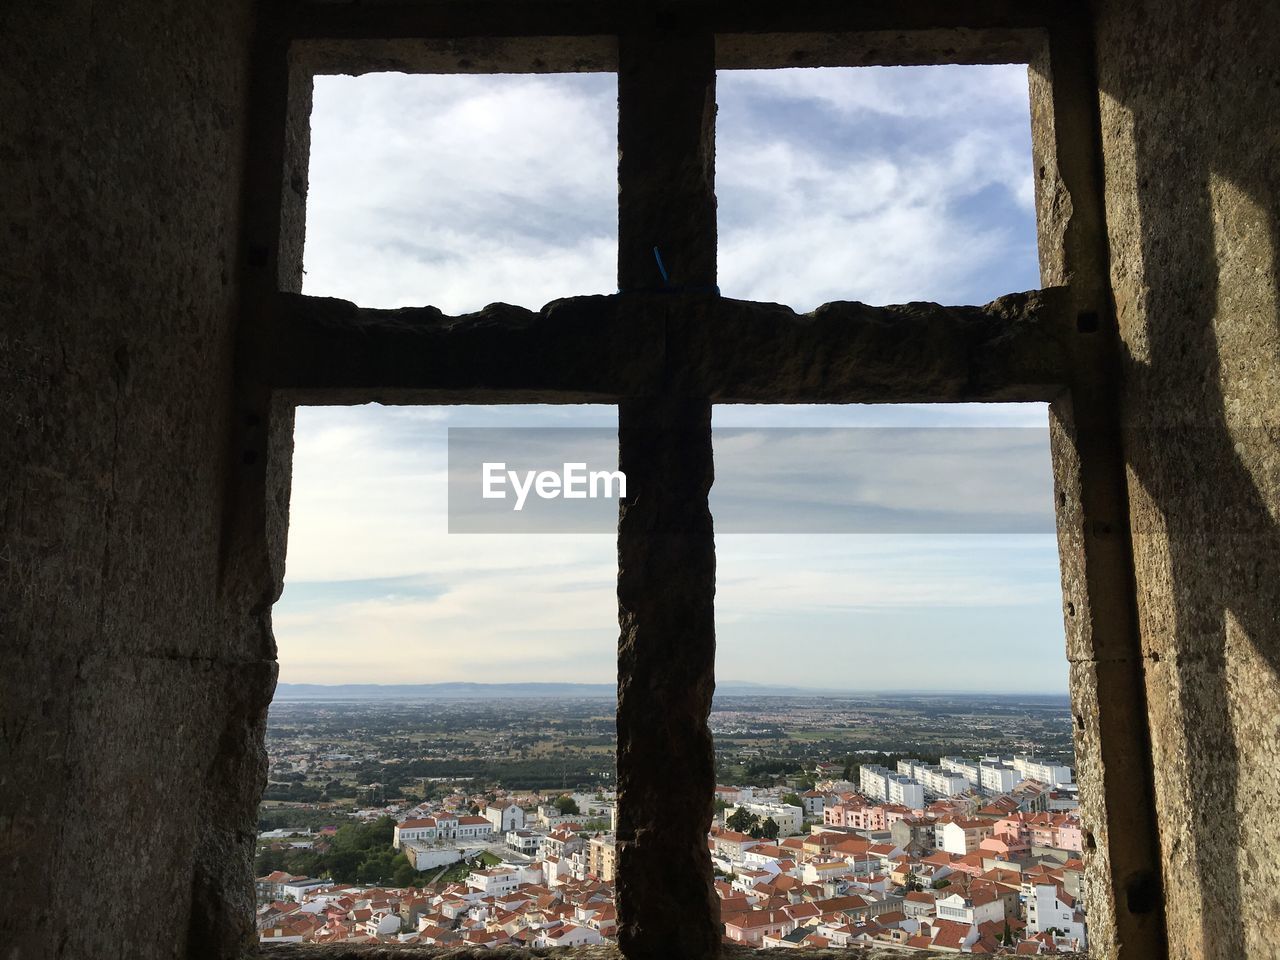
(1104, 650)
(666, 555)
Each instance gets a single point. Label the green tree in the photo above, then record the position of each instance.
(566, 805)
(793, 799)
(268, 861)
(741, 820)
(342, 864)
(404, 875)
(770, 829)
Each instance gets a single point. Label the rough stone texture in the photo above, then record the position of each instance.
(867, 48)
(143, 518)
(1190, 92)
(133, 694)
(1113, 754)
(320, 350)
(329, 351)
(582, 54)
(1013, 349)
(667, 907)
(666, 677)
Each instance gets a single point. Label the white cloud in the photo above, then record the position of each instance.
(874, 184)
(458, 191)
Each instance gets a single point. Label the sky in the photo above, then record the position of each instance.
(877, 184)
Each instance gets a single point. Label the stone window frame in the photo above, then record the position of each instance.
(293, 350)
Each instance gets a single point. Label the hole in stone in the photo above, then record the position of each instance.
(879, 184)
(1087, 322)
(1142, 892)
(451, 191)
(446, 663)
(890, 668)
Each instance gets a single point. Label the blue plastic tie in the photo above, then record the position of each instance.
(666, 281)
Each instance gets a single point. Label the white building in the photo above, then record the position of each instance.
(963, 766)
(1049, 908)
(505, 816)
(998, 777)
(1023, 767)
(825, 869)
(788, 817)
(814, 803)
(525, 841)
(472, 828)
(881, 783)
(567, 935)
(936, 781)
(298, 887)
(1033, 768)
(442, 826)
(382, 922)
(962, 836)
(495, 882)
(422, 829)
(982, 908)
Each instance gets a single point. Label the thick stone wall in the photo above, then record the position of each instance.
(1190, 96)
(133, 692)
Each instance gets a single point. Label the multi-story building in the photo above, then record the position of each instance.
(914, 834)
(495, 882)
(814, 802)
(525, 841)
(997, 777)
(937, 782)
(421, 829)
(993, 774)
(1047, 772)
(881, 783)
(963, 766)
(983, 907)
(788, 817)
(602, 857)
(560, 842)
(442, 826)
(962, 835)
(856, 816)
(1049, 907)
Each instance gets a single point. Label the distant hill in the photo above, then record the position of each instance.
(529, 691)
(439, 691)
(503, 691)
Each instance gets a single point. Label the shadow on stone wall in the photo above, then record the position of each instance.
(1196, 299)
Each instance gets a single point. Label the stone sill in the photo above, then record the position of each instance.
(307, 951)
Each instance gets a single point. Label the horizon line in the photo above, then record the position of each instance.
(724, 683)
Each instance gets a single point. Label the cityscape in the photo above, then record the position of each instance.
(944, 822)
